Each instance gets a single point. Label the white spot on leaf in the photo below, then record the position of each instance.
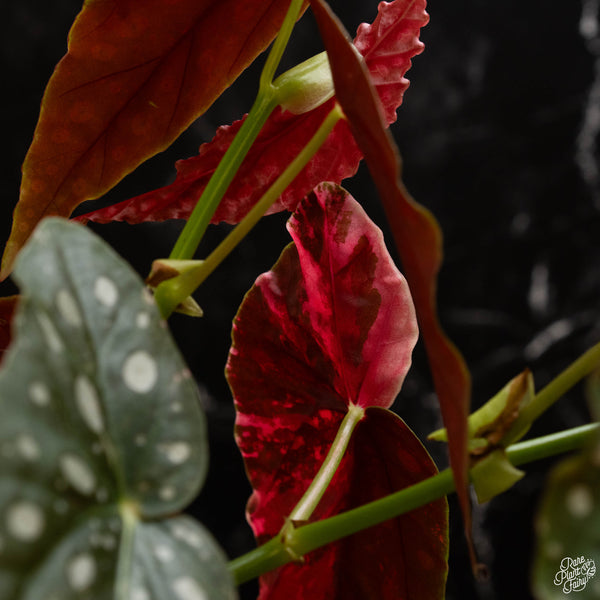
(25, 521)
(187, 535)
(176, 452)
(140, 372)
(39, 393)
(106, 291)
(187, 588)
(140, 593)
(52, 338)
(580, 501)
(68, 308)
(164, 553)
(81, 572)
(88, 404)
(142, 320)
(167, 492)
(77, 473)
(27, 447)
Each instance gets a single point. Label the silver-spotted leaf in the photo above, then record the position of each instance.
(101, 431)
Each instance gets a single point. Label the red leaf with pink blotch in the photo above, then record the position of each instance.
(387, 45)
(417, 236)
(333, 323)
(136, 74)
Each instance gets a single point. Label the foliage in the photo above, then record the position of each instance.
(103, 441)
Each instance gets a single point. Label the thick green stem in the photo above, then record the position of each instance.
(307, 504)
(307, 538)
(173, 291)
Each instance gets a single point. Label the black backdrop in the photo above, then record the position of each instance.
(498, 135)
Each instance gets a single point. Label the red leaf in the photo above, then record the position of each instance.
(281, 139)
(417, 236)
(387, 45)
(400, 559)
(8, 306)
(331, 324)
(136, 74)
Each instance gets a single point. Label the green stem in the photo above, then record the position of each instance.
(272, 62)
(309, 501)
(173, 291)
(546, 397)
(307, 538)
(551, 445)
(198, 222)
(266, 101)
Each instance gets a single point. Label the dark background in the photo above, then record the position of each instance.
(498, 135)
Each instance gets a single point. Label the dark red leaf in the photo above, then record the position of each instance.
(136, 74)
(388, 46)
(416, 233)
(331, 324)
(400, 559)
(8, 306)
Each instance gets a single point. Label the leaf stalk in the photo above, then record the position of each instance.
(307, 538)
(309, 501)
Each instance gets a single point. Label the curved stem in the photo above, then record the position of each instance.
(307, 538)
(309, 501)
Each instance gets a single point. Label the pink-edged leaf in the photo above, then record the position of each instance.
(417, 236)
(136, 74)
(332, 323)
(401, 559)
(387, 45)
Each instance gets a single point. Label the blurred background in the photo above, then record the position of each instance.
(498, 133)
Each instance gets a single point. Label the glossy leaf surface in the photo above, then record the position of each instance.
(101, 430)
(416, 233)
(331, 324)
(388, 46)
(136, 74)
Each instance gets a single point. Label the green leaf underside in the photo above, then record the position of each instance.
(101, 430)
